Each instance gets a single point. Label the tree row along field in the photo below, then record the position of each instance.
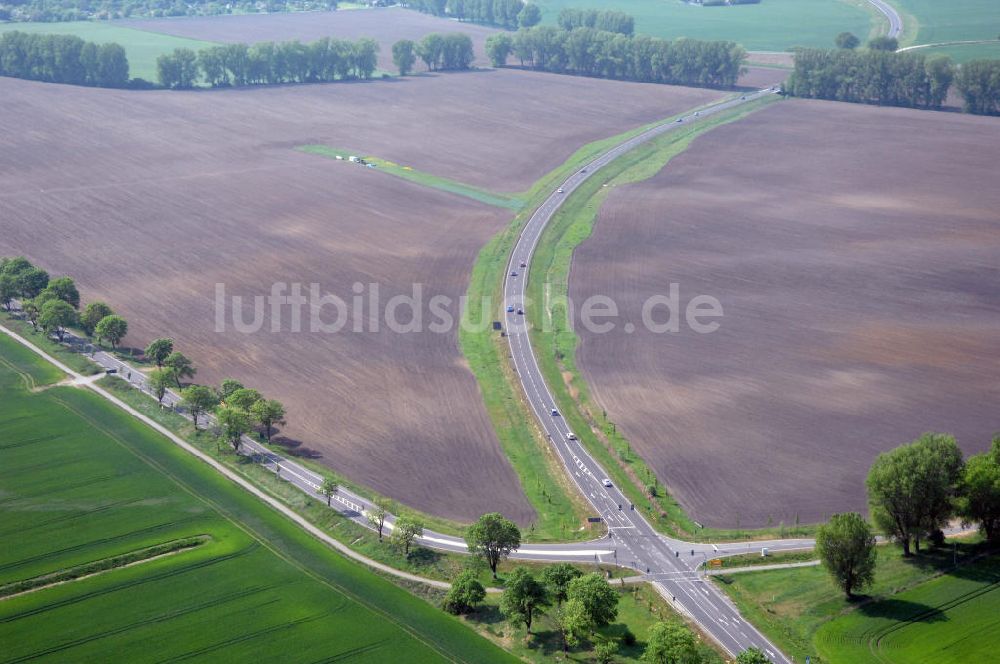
(84, 482)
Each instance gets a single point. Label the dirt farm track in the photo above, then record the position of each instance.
(855, 252)
(150, 199)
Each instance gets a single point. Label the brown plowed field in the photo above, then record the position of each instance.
(151, 198)
(386, 26)
(855, 251)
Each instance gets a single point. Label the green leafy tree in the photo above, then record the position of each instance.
(670, 643)
(8, 290)
(404, 56)
(499, 48)
(228, 387)
(494, 538)
(465, 593)
(113, 328)
(557, 578)
(56, 316)
(599, 598)
(178, 70)
(268, 413)
(160, 380)
(181, 366)
(159, 349)
(980, 491)
(979, 83)
(912, 489)
(847, 40)
(92, 315)
(752, 655)
(846, 546)
(404, 531)
(889, 44)
(234, 423)
(523, 598)
(377, 515)
(574, 622)
(32, 281)
(198, 400)
(243, 398)
(530, 16)
(64, 289)
(431, 50)
(328, 489)
(605, 651)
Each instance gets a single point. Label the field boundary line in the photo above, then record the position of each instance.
(275, 503)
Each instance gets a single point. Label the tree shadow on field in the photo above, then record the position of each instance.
(295, 448)
(902, 610)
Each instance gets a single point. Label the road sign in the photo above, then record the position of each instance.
(715, 562)
(594, 519)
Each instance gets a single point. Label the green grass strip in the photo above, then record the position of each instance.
(103, 565)
(422, 178)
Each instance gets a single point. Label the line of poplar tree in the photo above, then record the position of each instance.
(608, 20)
(871, 77)
(269, 63)
(979, 83)
(62, 59)
(591, 52)
(878, 76)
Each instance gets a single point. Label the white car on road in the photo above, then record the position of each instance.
(606, 482)
(571, 436)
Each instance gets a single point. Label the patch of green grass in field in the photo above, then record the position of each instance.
(639, 608)
(422, 178)
(792, 606)
(142, 48)
(772, 25)
(555, 341)
(84, 482)
(961, 53)
(952, 619)
(932, 21)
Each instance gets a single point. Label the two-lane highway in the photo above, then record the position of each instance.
(633, 539)
(895, 21)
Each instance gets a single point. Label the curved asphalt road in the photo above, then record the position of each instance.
(895, 21)
(671, 565)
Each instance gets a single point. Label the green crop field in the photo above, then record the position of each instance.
(964, 52)
(955, 20)
(142, 48)
(921, 609)
(772, 25)
(953, 618)
(215, 573)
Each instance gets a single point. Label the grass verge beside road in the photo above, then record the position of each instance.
(804, 613)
